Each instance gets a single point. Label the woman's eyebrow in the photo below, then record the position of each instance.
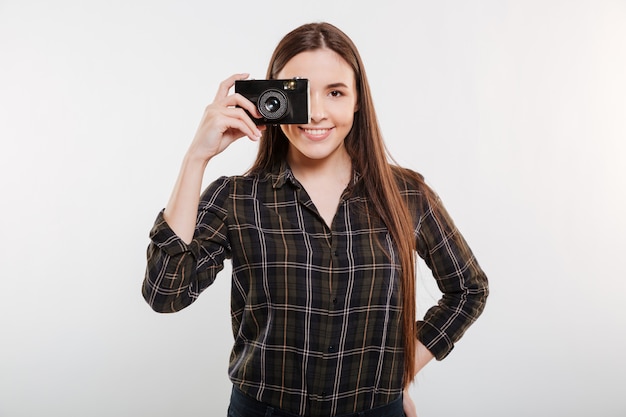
(336, 85)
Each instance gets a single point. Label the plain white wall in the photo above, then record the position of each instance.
(515, 111)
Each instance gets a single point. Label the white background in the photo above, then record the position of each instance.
(515, 111)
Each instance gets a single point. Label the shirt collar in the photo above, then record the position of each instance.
(283, 174)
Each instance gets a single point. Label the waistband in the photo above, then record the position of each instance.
(246, 404)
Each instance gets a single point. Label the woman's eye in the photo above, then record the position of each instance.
(335, 93)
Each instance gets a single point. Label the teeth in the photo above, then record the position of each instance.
(316, 132)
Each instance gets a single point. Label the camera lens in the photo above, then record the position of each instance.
(272, 104)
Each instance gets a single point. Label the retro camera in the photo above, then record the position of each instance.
(279, 101)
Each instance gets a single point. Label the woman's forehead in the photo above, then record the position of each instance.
(319, 66)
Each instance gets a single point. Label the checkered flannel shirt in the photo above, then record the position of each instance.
(316, 310)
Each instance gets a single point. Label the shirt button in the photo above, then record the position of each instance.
(334, 301)
(331, 348)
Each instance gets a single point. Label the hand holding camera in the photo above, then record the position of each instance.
(225, 120)
(258, 103)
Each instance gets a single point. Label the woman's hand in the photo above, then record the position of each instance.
(223, 122)
(409, 406)
(422, 357)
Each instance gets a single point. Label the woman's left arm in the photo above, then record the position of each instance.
(460, 278)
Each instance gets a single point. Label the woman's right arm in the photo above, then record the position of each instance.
(222, 124)
(173, 279)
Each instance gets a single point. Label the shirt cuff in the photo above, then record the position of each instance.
(163, 237)
(436, 341)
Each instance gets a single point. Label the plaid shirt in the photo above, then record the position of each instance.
(316, 311)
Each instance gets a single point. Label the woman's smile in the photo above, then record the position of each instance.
(316, 134)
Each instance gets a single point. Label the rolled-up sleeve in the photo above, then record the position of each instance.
(176, 272)
(461, 280)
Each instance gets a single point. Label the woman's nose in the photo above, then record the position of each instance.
(318, 112)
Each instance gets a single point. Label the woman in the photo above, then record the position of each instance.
(322, 233)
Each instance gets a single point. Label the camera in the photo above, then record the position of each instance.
(278, 101)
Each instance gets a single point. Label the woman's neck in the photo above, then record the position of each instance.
(324, 180)
(334, 168)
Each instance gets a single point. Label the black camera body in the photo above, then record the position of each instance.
(279, 101)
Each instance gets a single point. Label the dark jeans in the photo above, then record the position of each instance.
(242, 405)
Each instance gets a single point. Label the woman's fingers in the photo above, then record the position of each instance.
(237, 100)
(227, 84)
(223, 97)
(227, 119)
(239, 120)
(408, 405)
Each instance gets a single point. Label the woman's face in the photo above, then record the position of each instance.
(333, 101)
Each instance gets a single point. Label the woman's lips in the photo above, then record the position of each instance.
(316, 134)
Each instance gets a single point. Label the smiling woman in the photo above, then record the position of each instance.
(323, 234)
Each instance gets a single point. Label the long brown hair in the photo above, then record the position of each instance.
(369, 155)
